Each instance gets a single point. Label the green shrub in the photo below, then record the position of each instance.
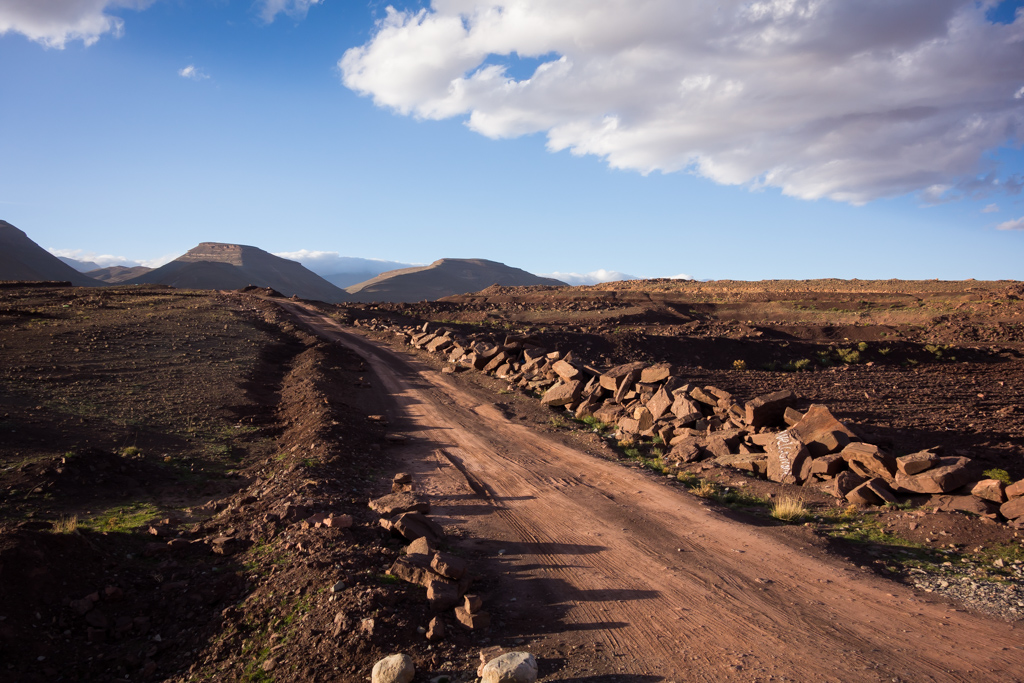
(848, 356)
(1001, 475)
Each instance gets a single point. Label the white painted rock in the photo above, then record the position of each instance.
(511, 667)
(397, 669)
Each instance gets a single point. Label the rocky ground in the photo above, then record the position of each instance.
(910, 365)
(166, 454)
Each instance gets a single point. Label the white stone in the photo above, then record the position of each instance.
(511, 667)
(394, 669)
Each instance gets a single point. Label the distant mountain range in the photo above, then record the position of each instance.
(213, 265)
(443, 278)
(80, 266)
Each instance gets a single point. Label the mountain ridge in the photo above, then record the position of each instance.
(23, 259)
(444, 277)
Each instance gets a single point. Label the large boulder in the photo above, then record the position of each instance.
(788, 459)
(687, 449)
(567, 371)
(821, 432)
(1013, 509)
(615, 377)
(915, 463)
(511, 667)
(396, 668)
(413, 525)
(563, 394)
(397, 503)
(971, 504)
(845, 482)
(659, 403)
(948, 475)
(990, 489)
(656, 373)
(768, 409)
(869, 460)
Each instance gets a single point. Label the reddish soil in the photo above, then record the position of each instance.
(607, 571)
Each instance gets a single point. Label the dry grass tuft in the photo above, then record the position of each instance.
(66, 525)
(705, 489)
(790, 510)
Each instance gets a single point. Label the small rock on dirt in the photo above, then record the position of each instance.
(511, 667)
(397, 668)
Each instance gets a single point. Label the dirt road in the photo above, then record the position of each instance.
(615, 576)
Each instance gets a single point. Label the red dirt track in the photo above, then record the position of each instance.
(626, 576)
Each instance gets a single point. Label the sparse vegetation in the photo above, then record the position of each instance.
(787, 509)
(848, 356)
(739, 365)
(122, 518)
(1000, 475)
(66, 524)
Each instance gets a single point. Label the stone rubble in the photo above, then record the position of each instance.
(765, 435)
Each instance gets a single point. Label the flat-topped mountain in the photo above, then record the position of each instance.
(23, 259)
(441, 278)
(213, 265)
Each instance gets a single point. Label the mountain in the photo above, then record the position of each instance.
(23, 259)
(117, 274)
(443, 278)
(213, 265)
(343, 271)
(80, 266)
(352, 270)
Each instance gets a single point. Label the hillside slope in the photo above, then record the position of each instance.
(441, 278)
(213, 265)
(23, 259)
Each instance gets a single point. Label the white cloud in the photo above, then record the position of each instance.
(296, 9)
(592, 278)
(159, 260)
(846, 99)
(193, 73)
(54, 23)
(1012, 225)
(107, 260)
(331, 262)
(681, 276)
(991, 208)
(102, 260)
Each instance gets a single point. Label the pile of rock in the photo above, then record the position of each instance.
(766, 435)
(444, 575)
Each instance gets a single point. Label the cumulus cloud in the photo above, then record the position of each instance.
(991, 208)
(1012, 225)
(296, 9)
(846, 99)
(108, 260)
(54, 23)
(681, 276)
(102, 260)
(193, 73)
(592, 278)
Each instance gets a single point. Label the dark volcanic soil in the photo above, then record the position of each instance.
(159, 449)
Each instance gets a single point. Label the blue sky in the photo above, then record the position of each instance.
(117, 149)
